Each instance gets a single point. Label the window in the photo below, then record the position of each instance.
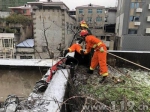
(131, 18)
(24, 11)
(98, 19)
(99, 11)
(134, 18)
(132, 31)
(89, 11)
(25, 57)
(134, 5)
(7, 43)
(67, 25)
(80, 19)
(102, 37)
(80, 11)
(89, 19)
(107, 38)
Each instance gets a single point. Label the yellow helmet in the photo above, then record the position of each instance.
(84, 25)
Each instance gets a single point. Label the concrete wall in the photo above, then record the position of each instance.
(136, 43)
(111, 19)
(24, 52)
(54, 20)
(19, 81)
(25, 32)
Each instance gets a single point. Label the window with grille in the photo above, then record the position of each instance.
(98, 19)
(132, 31)
(89, 19)
(134, 18)
(134, 5)
(89, 11)
(25, 57)
(80, 11)
(99, 11)
(7, 42)
(80, 19)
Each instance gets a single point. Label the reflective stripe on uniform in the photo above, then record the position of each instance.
(94, 45)
(105, 74)
(97, 44)
(91, 68)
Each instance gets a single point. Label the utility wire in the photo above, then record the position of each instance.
(129, 61)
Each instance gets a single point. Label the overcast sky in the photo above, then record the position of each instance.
(74, 3)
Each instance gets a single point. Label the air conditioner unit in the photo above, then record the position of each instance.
(137, 23)
(148, 18)
(139, 10)
(148, 30)
(148, 6)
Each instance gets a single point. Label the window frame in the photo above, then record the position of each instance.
(99, 11)
(90, 11)
(99, 19)
(131, 30)
(80, 11)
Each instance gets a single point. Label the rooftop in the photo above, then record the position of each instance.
(26, 44)
(90, 5)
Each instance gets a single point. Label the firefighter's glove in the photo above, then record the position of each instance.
(66, 51)
(101, 49)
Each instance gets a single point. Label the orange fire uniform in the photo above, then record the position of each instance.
(75, 47)
(100, 54)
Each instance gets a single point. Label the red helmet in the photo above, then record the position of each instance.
(82, 22)
(83, 33)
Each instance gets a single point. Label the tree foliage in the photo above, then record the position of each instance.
(18, 19)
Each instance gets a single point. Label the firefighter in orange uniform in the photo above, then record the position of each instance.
(73, 48)
(99, 56)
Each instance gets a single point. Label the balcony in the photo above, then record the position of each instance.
(139, 10)
(137, 23)
(148, 18)
(147, 30)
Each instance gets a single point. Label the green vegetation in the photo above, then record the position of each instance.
(18, 19)
(11, 21)
(132, 95)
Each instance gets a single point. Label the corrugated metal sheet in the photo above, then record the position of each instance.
(26, 43)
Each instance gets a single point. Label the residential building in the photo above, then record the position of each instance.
(52, 27)
(101, 21)
(110, 21)
(94, 15)
(23, 31)
(4, 14)
(4, 4)
(6, 45)
(133, 24)
(24, 10)
(25, 49)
